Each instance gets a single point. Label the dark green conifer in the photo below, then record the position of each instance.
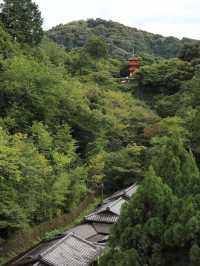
(176, 165)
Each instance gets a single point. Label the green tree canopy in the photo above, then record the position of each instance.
(155, 228)
(165, 77)
(190, 51)
(96, 47)
(22, 19)
(141, 224)
(176, 165)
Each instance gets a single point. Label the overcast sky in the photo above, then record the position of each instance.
(180, 18)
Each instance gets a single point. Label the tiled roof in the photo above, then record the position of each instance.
(84, 231)
(107, 213)
(70, 251)
(104, 240)
(79, 245)
(98, 238)
(124, 193)
(70, 246)
(131, 190)
(102, 228)
(102, 218)
(32, 255)
(112, 206)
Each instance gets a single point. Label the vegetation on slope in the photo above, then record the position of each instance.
(67, 125)
(160, 226)
(64, 122)
(120, 39)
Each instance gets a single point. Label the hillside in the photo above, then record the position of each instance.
(121, 39)
(69, 127)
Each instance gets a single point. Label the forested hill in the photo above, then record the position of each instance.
(121, 39)
(68, 127)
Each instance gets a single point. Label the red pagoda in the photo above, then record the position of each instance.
(133, 65)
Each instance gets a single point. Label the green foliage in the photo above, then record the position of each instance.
(7, 48)
(123, 167)
(170, 127)
(120, 39)
(63, 125)
(68, 127)
(141, 224)
(195, 129)
(52, 52)
(25, 175)
(41, 137)
(37, 180)
(22, 20)
(190, 51)
(165, 77)
(180, 172)
(118, 258)
(155, 228)
(29, 85)
(195, 255)
(52, 235)
(96, 47)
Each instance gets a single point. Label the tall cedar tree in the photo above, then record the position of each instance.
(22, 19)
(138, 235)
(180, 172)
(156, 228)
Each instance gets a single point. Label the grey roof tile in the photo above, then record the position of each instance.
(98, 238)
(125, 193)
(71, 251)
(105, 239)
(102, 218)
(32, 255)
(131, 190)
(102, 228)
(112, 206)
(84, 231)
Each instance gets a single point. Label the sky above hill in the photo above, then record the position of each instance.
(178, 18)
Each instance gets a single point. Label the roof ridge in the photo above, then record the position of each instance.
(103, 206)
(85, 241)
(115, 202)
(129, 188)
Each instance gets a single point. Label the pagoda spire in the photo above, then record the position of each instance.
(133, 53)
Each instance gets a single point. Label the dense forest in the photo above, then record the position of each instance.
(67, 126)
(120, 39)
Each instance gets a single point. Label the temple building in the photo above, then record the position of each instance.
(133, 65)
(83, 244)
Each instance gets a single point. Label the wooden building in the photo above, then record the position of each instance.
(80, 245)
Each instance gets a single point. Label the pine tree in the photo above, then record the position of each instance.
(138, 235)
(22, 19)
(176, 165)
